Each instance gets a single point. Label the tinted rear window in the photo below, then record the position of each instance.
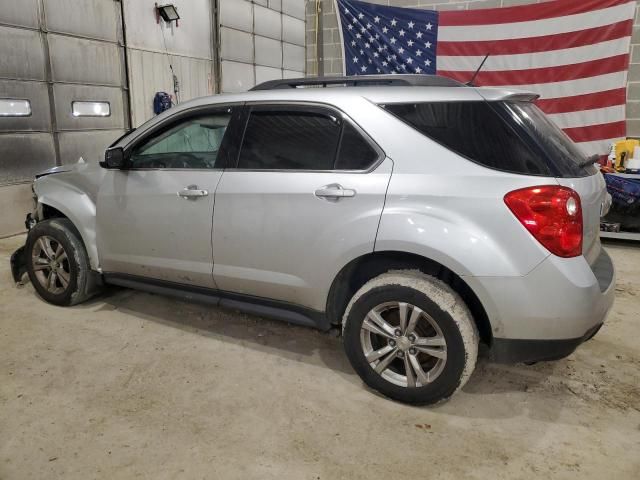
(289, 141)
(513, 137)
(355, 152)
(559, 148)
(301, 139)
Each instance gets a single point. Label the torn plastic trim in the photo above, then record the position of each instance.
(19, 265)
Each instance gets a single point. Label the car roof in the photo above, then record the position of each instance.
(339, 95)
(375, 94)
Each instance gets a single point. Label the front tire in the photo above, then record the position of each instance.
(57, 262)
(410, 337)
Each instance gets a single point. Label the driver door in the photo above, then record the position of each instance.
(154, 218)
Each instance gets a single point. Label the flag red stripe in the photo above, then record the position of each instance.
(530, 76)
(538, 44)
(608, 98)
(597, 132)
(523, 13)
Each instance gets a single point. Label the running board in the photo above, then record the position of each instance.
(263, 307)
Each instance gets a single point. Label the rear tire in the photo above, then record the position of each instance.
(410, 337)
(57, 262)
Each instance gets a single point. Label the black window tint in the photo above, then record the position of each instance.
(292, 140)
(355, 152)
(475, 130)
(564, 155)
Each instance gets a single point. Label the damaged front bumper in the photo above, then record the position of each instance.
(18, 265)
(18, 258)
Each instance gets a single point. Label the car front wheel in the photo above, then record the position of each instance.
(57, 262)
(410, 337)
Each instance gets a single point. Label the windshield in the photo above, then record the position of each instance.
(564, 155)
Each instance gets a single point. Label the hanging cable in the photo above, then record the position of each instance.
(174, 78)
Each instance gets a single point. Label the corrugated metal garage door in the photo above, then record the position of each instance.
(52, 53)
(260, 41)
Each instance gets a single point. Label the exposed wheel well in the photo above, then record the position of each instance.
(361, 270)
(50, 212)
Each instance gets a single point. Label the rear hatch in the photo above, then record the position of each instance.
(570, 166)
(511, 134)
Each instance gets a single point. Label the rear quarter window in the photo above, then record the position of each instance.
(355, 153)
(477, 131)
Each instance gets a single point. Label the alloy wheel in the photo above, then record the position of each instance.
(51, 265)
(403, 344)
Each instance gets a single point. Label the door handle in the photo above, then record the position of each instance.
(192, 192)
(334, 192)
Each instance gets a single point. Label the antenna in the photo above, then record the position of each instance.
(470, 82)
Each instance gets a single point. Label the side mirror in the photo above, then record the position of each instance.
(113, 158)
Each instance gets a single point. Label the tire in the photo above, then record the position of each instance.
(442, 339)
(58, 240)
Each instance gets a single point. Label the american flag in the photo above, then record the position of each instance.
(573, 53)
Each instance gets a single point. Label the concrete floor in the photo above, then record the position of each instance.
(132, 385)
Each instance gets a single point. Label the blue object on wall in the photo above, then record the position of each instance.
(161, 102)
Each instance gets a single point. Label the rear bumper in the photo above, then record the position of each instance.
(549, 312)
(505, 350)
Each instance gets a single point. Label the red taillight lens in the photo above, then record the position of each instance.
(552, 214)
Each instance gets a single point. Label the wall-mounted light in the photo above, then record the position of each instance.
(91, 109)
(14, 107)
(169, 13)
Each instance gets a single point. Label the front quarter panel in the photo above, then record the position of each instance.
(74, 194)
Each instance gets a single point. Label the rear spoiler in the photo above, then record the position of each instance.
(500, 94)
(522, 97)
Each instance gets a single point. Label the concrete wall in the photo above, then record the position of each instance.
(332, 61)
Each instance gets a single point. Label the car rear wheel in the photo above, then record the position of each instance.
(410, 337)
(57, 262)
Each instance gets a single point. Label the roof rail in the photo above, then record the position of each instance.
(401, 80)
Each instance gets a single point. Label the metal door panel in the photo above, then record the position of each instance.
(69, 61)
(22, 54)
(144, 228)
(24, 155)
(87, 18)
(23, 13)
(89, 145)
(38, 96)
(274, 238)
(65, 95)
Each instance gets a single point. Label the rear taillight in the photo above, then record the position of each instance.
(552, 214)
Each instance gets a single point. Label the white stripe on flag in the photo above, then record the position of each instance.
(581, 86)
(585, 118)
(601, 147)
(537, 28)
(554, 58)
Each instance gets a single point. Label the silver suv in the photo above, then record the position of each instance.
(419, 215)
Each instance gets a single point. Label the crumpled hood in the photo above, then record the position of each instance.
(73, 167)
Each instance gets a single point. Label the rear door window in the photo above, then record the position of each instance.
(290, 140)
(477, 131)
(303, 138)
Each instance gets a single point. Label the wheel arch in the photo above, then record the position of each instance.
(82, 216)
(362, 269)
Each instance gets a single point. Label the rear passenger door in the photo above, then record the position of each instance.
(304, 198)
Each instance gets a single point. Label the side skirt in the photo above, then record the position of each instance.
(263, 307)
